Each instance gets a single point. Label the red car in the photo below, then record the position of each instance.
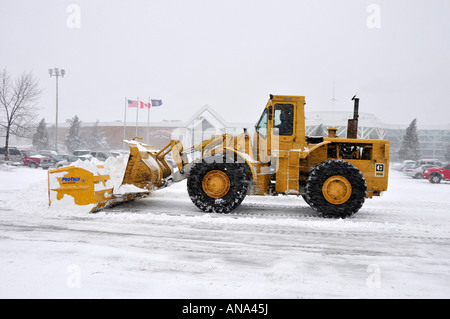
(436, 174)
(34, 160)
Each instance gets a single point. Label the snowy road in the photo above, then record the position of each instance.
(397, 246)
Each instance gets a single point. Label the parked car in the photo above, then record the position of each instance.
(65, 156)
(436, 174)
(102, 156)
(396, 166)
(417, 172)
(81, 152)
(47, 153)
(14, 156)
(406, 164)
(73, 159)
(435, 162)
(54, 158)
(34, 160)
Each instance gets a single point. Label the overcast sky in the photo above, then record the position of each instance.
(231, 55)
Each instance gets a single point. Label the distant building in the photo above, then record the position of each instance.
(206, 122)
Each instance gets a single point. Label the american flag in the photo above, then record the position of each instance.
(132, 103)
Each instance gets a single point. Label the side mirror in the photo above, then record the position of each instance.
(386, 152)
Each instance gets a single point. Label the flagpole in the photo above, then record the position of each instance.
(137, 112)
(148, 120)
(125, 120)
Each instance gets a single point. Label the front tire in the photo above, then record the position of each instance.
(306, 199)
(336, 189)
(435, 178)
(33, 165)
(217, 185)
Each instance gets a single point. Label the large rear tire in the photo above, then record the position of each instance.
(217, 185)
(336, 189)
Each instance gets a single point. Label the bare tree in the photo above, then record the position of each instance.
(17, 104)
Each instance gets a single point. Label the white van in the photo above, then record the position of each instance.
(14, 156)
(430, 161)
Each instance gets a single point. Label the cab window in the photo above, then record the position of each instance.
(284, 119)
(261, 127)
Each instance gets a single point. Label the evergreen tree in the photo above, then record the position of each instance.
(410, 149)
(95, 140)
(74, 139)
(51, 137)
(41, 137)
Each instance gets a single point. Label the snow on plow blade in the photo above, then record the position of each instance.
(119, 180)
(87, 188)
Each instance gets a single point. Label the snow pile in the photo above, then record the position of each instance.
(4, 167)
(24, 189)
(138, 145)
(53, 183)
(89, 165)
(116, 166)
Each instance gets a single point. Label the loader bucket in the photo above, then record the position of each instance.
(144, 169)
(122, 179)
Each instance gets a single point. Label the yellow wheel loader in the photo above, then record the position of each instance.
(333, 174)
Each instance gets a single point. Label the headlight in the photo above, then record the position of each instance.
(425, 171)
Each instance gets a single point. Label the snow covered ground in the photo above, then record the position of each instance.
(397, 246)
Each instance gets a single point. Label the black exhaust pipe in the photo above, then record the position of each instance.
(352, 128)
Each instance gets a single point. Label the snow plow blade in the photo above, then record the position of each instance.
(85, 187)
(122, 179)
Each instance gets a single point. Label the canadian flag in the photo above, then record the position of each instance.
(145, 105)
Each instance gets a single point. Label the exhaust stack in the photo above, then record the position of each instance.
(352, 128)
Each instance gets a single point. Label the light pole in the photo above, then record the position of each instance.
(56, 73)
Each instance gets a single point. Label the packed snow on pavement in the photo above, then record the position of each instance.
(397, 246)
